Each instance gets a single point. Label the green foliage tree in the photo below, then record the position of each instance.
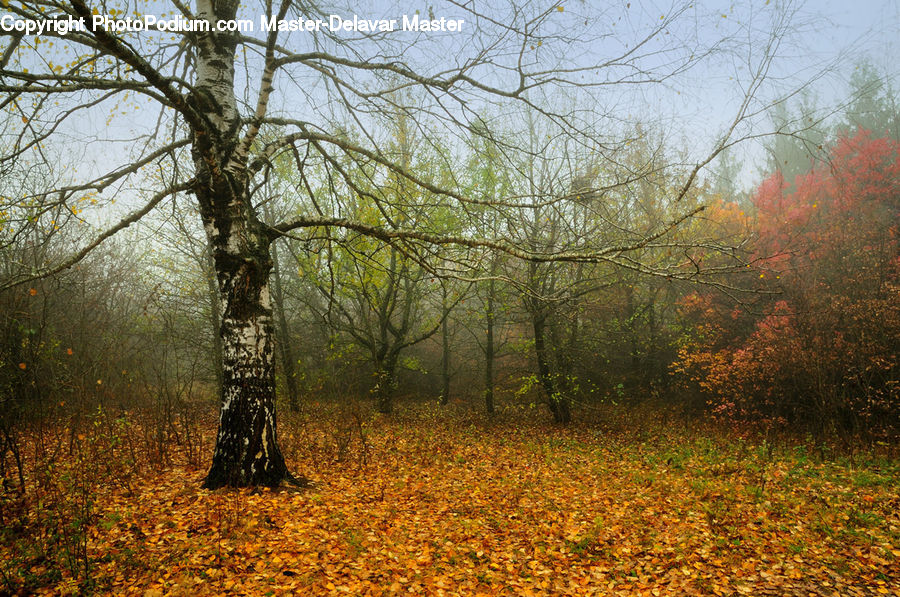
(376, 294)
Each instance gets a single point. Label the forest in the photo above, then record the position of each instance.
(570, 298)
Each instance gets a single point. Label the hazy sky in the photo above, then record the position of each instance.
(872, 25)
(693, 109)
(847, 29)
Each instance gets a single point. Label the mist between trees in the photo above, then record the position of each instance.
(520, 214)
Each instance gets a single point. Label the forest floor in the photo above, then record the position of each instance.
(433, 502)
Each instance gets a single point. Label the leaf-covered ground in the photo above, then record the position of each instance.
(450, 505)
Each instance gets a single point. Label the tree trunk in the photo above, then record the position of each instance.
(246, 451)
(632, 326)
(445, 357)
(288, 361)
(489, 351)
(558, 403)
(385, 371)
(652, 369)
(384, 390)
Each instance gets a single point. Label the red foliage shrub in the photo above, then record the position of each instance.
(824, 356)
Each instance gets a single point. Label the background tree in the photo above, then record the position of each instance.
(872, 105)
(372, 292)
(489, 177)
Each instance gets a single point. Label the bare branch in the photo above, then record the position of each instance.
(125, 222)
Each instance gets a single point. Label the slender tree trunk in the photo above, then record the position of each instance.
(489, 351)
(288, 361)
(652, 369)
(445, 357)
(631, 319)
(572, 350)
